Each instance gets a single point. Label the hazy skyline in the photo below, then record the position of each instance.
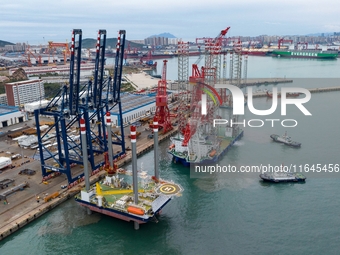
(37, 21)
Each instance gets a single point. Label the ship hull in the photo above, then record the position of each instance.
(278, 139)
(256, 53)
(305, 54)
(194, 53)
(119, 214)
(216, 158)
(158, 56)
(295, 178)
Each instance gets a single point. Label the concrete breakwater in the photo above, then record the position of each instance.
(316, 90)
(264, 81)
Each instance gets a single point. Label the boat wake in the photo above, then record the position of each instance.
(239, 143)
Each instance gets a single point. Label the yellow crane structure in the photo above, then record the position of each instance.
(30, 54)
(52, 49)
(100, 192)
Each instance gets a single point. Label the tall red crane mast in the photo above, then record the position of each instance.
(162, 113)
(131, 50)
(213, 49)
(197, 80)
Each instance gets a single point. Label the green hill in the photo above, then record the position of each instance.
(3, 43)
(89, 43)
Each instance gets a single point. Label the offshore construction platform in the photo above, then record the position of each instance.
(198, 140)
(140, 201)
(82, 127)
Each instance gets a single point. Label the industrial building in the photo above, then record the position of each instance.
(86, 69)
(133, 107)
(23, 92)
(10, 115)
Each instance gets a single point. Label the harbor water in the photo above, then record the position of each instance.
(227, 213)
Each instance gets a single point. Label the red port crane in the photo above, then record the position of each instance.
(200, 80)
(281, 41)
(162, 113)
(303, 43)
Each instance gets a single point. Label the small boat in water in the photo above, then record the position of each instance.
(283, 177)
(287, 140)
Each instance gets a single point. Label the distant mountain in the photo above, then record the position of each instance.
(110, 42)
(166, 35)
(3, 43)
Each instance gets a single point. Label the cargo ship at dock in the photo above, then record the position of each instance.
(316, 54)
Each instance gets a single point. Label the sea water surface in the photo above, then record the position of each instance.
(226, 214)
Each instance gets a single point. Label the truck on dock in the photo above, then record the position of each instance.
(8, 192)
(5, 183)
(5, 162)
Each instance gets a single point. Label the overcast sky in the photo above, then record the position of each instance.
(39, 21)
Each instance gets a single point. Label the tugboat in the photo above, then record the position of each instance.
(283, 177)
(285, 139)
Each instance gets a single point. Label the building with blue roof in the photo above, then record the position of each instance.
(10, 115)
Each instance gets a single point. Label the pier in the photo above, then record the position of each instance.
(316, 90)
(247, 82)
(264, 81)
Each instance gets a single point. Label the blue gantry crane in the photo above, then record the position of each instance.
(90, 100)
(113, 93)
